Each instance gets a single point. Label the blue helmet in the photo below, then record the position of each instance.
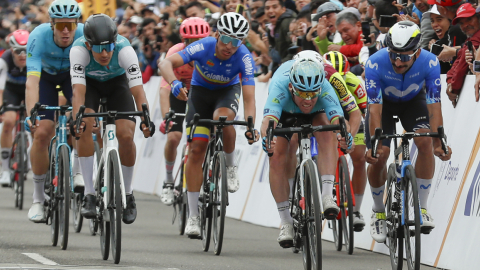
(307, 72)
(64, 9)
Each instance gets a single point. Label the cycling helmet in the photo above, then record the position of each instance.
(445, 3)
(18, 39)
(338, 61)
(100, 29)
(307, 73)
(66, 9)
(233, 24)
(194, 28)
(404, 36)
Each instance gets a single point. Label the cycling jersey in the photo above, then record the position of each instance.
(213, 73)
(44, 54)
(355, 87)
(123, 59)
(9, 72)
(280, 98)
(383, 83)
(183, 73)
(347, 101)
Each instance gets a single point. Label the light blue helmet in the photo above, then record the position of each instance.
(307, 72)
(64, 9)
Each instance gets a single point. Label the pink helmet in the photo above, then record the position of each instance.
(19, 39)
(194, 28)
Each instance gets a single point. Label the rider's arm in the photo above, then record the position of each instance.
(127, 58)
(31, 92)
(433, 87)
(79, 59)
(34, 68)
(374, 96)
(248, 85)
(168, 64)
(3, 77)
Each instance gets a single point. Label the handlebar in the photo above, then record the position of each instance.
(169, 116)
(221, 123)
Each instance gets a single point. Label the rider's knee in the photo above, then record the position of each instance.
(424, 145)
(174, 139)
(125, 138)
(8, 125)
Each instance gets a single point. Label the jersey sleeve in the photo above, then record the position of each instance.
(347, 101)
(3, 73)
(432, 82)
(193, 51)
(277, 99)
(79, 59)
(355, 85)
(248, 64)
(372, 81)
(329, 102)
(34, 53)
(127, 59)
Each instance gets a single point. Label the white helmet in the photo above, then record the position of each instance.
(233, 24)
(307, 72)
(310, 55)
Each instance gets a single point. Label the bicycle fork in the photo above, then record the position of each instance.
(400, 194)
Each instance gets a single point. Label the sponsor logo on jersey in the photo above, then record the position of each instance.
(79, 69)
(281, 96)
(332, 113)
(133, 69)
(195, 48)
(372, 66)
(360, 92)
(29, 55)
(339, 87)
(392, 91)
(210, 63)
(237, 96)
(275, 100)
(433, 63)
(351, 106)
(248, 64)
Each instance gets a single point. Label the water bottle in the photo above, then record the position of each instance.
(313, 147)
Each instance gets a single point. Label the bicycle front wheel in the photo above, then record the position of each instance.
(63, 188)
(102, 211)
(52, 191)
(77, 216)
(182, 197)
(394, 239)
(314, 214)
(21, 168)
(346, 203)
(205, 204)
(219, 201)
(412, 219)
(116, 207)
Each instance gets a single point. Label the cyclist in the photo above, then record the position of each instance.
(354, 86)
(191, 30)
(104, 64)
(299, 90)
(402, 80)
(215, 91)
(48, 63)
(13, 76)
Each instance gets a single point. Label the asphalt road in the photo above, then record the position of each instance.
(152, 242)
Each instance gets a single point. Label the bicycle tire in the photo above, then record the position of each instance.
(77, 216)
(412, 219)
(182, 198)
(394, 239)
(64, 191)
(219, 200)
(337, 230)
(22, 167)
(299, 224)
(52, 208)
(102, 225)
(115, 207)
(314, 213)
(205, 214)
(346, 204)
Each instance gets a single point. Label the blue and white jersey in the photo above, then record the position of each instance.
(213, 73)
(44, 54)
(280, 98)
(383, 83)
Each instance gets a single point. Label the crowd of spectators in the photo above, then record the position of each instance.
(282, 28)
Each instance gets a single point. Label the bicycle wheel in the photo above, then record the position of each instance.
(115, 207)
(63, 187)
(21, 168)
(219, 200)
(337, 230)
(182, 200)
(300, 240)
(77, 216)
(52, 191)
(205, 206)
(346, 204)
(412, 219)
(102, 225)
(394, 239)
(314, 214)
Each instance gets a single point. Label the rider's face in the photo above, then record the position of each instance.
(63, 38)
(305, 106)
(102, 58)
(224, 51)
(401, 67)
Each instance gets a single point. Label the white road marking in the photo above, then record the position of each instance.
(39, 258)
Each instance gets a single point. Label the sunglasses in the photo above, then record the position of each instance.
(235, 41)
(308, 95)
(403, 57)
(69, 25)
(20, 51)
(107, 47)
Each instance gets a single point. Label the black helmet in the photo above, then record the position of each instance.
(100, 29)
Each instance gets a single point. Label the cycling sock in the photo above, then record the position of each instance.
(327, 185)
(290, 184)
(358, 202)
(76, 164)
(127, 178)
(377, 194)
(169, 165)
(39, 188)
(5, 158)
(230, 159)
(424, 186)
(86, 165)
(284, 212)
(193, 203)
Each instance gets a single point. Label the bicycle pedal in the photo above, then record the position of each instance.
(358, 228)
(286, 243)
(195, 237)
(426, 230)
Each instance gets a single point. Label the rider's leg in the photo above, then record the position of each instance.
(39, 157)
(359, 178)
(193, 169)
(6, 140)
(85, 151)
(126, 151)
(173, 140)
(424, 167)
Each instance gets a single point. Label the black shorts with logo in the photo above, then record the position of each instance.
(13, 94)
(178, 106)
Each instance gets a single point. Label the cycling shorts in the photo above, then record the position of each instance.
(295, 120)
(360, 136)
(48, 94)
(116, 90)
(204, 101)
(178, 106)
(413, 115)
(13, 94)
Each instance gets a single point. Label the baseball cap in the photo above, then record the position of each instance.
(445, 3)
(325, 9)
(464, 11)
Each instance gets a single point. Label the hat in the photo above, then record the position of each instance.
(148, 8)
(325, 9)
(136, 20)
(433, 10)
(464, 11)
(352, 10)
(444, 3)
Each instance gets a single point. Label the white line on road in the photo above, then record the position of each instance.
(39, 258)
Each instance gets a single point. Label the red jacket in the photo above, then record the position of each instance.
(353, 50)
(456, 75)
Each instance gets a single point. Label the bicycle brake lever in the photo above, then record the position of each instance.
(443, 139)
(374, 139)
(196, 118)
(270, 135)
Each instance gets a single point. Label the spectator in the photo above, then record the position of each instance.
(328, 13)
(353, 3)
(469, 21)
(304, 22)
(280, 18)
(448, 8)
(256, 4)
(124, 31)
(195, 9)
(362, 8)
(300, 4)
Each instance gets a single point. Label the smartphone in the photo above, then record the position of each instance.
(476, 66)
(387, 21)
(366, 32)
(470, 46)
(240, 9)
(436, 49)
(312, 17)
